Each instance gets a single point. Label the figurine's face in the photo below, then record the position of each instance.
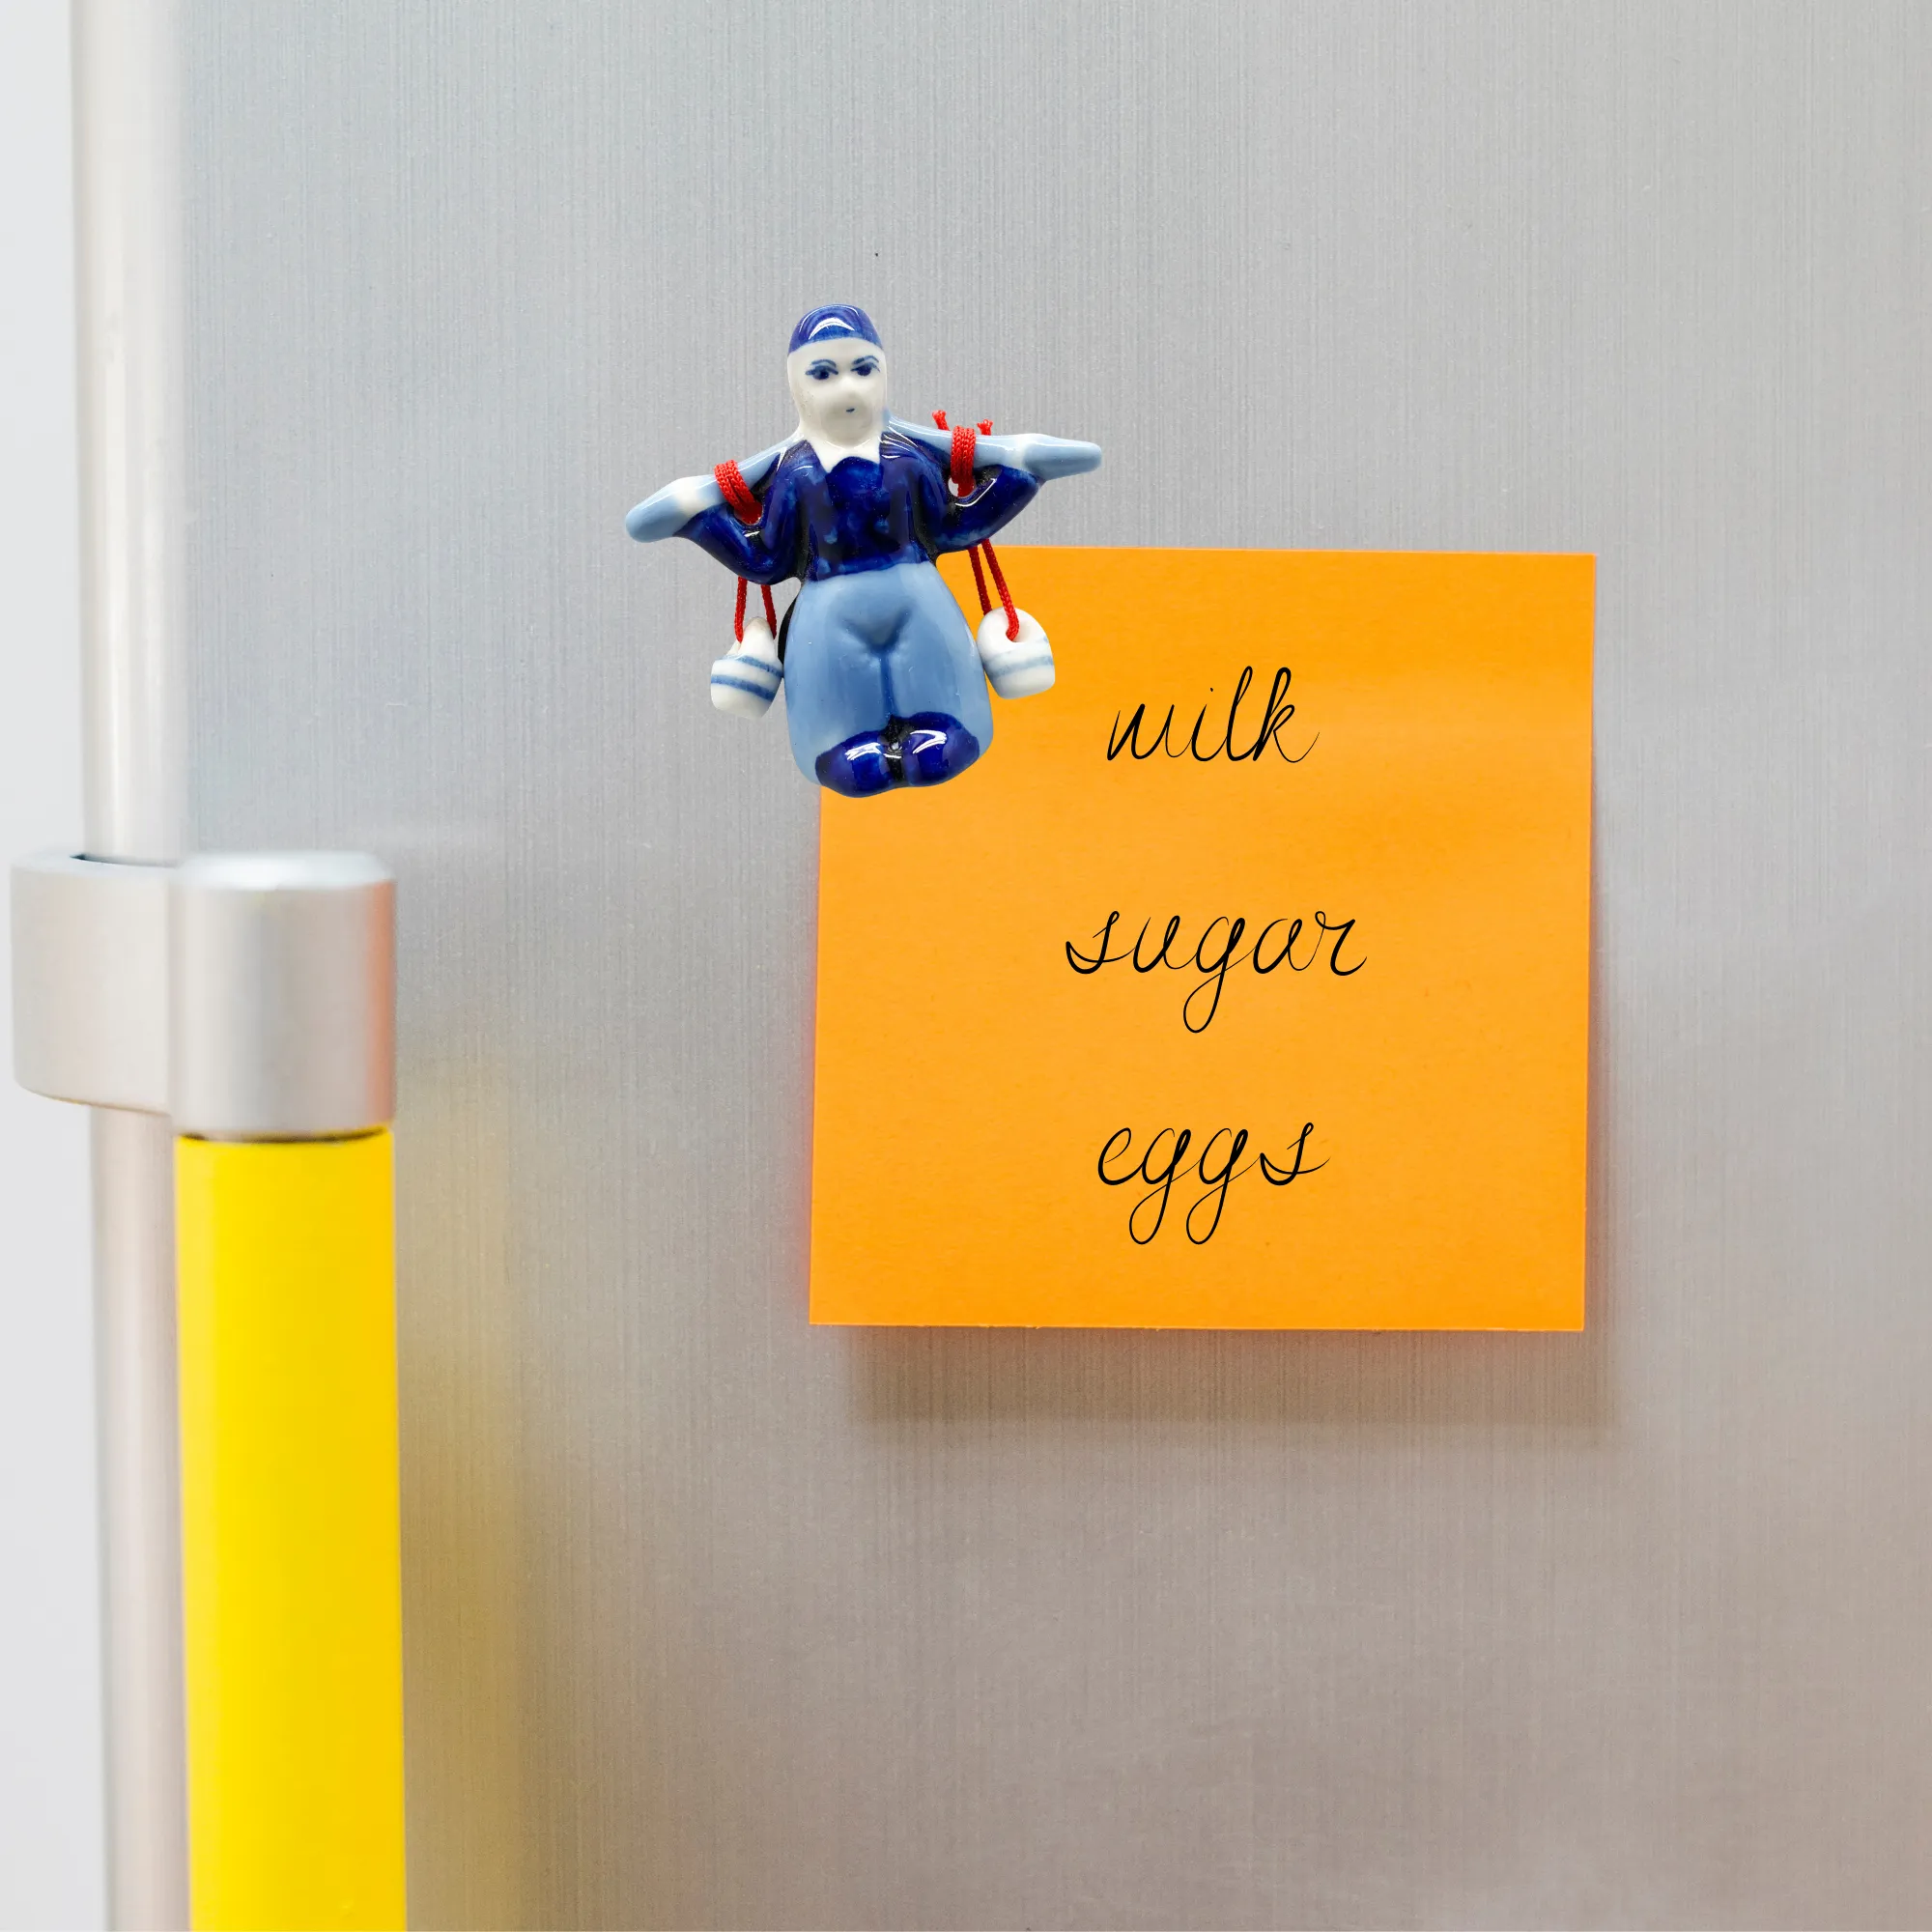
(839, 387)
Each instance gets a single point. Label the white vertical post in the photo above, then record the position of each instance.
(127, 180)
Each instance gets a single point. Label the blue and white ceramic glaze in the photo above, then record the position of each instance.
(885, 681)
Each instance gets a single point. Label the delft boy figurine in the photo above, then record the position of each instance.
(884, 682)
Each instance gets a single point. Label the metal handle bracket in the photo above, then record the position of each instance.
(247, 996)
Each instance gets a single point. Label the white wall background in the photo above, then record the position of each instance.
(51, 1798)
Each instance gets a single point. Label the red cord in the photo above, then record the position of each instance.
(1005, 595)
(737, 493)
(964, 436)
(963, 440)
(738, 615)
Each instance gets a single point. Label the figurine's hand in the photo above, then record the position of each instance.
(673, 506)
(1043, 456)
(1048, 456)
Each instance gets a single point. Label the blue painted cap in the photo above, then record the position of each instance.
(828, 324)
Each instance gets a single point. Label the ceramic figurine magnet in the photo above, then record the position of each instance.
(885, 683)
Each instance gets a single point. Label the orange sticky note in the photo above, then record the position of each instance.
(1246, 982)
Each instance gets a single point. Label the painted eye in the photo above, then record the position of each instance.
(821, 372)
(864, 366)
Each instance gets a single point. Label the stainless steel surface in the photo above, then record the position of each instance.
(129, 253)
(91, 980)
(717, 1620)
(282, 989)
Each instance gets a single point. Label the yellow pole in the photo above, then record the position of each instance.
(290, 1533)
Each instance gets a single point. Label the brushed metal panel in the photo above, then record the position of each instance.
(714, 1620)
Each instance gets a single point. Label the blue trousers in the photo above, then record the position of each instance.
(873, 645)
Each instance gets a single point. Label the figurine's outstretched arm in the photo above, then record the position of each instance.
(673, 506)
(1043, 456)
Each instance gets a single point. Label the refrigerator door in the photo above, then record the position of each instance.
(713, 1619)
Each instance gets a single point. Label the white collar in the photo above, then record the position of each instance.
(832, 454)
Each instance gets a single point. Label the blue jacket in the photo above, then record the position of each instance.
(864, 516)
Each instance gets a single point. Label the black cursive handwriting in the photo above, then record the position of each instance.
(1215, 1181)
(1214, 959)
(1275, 716)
